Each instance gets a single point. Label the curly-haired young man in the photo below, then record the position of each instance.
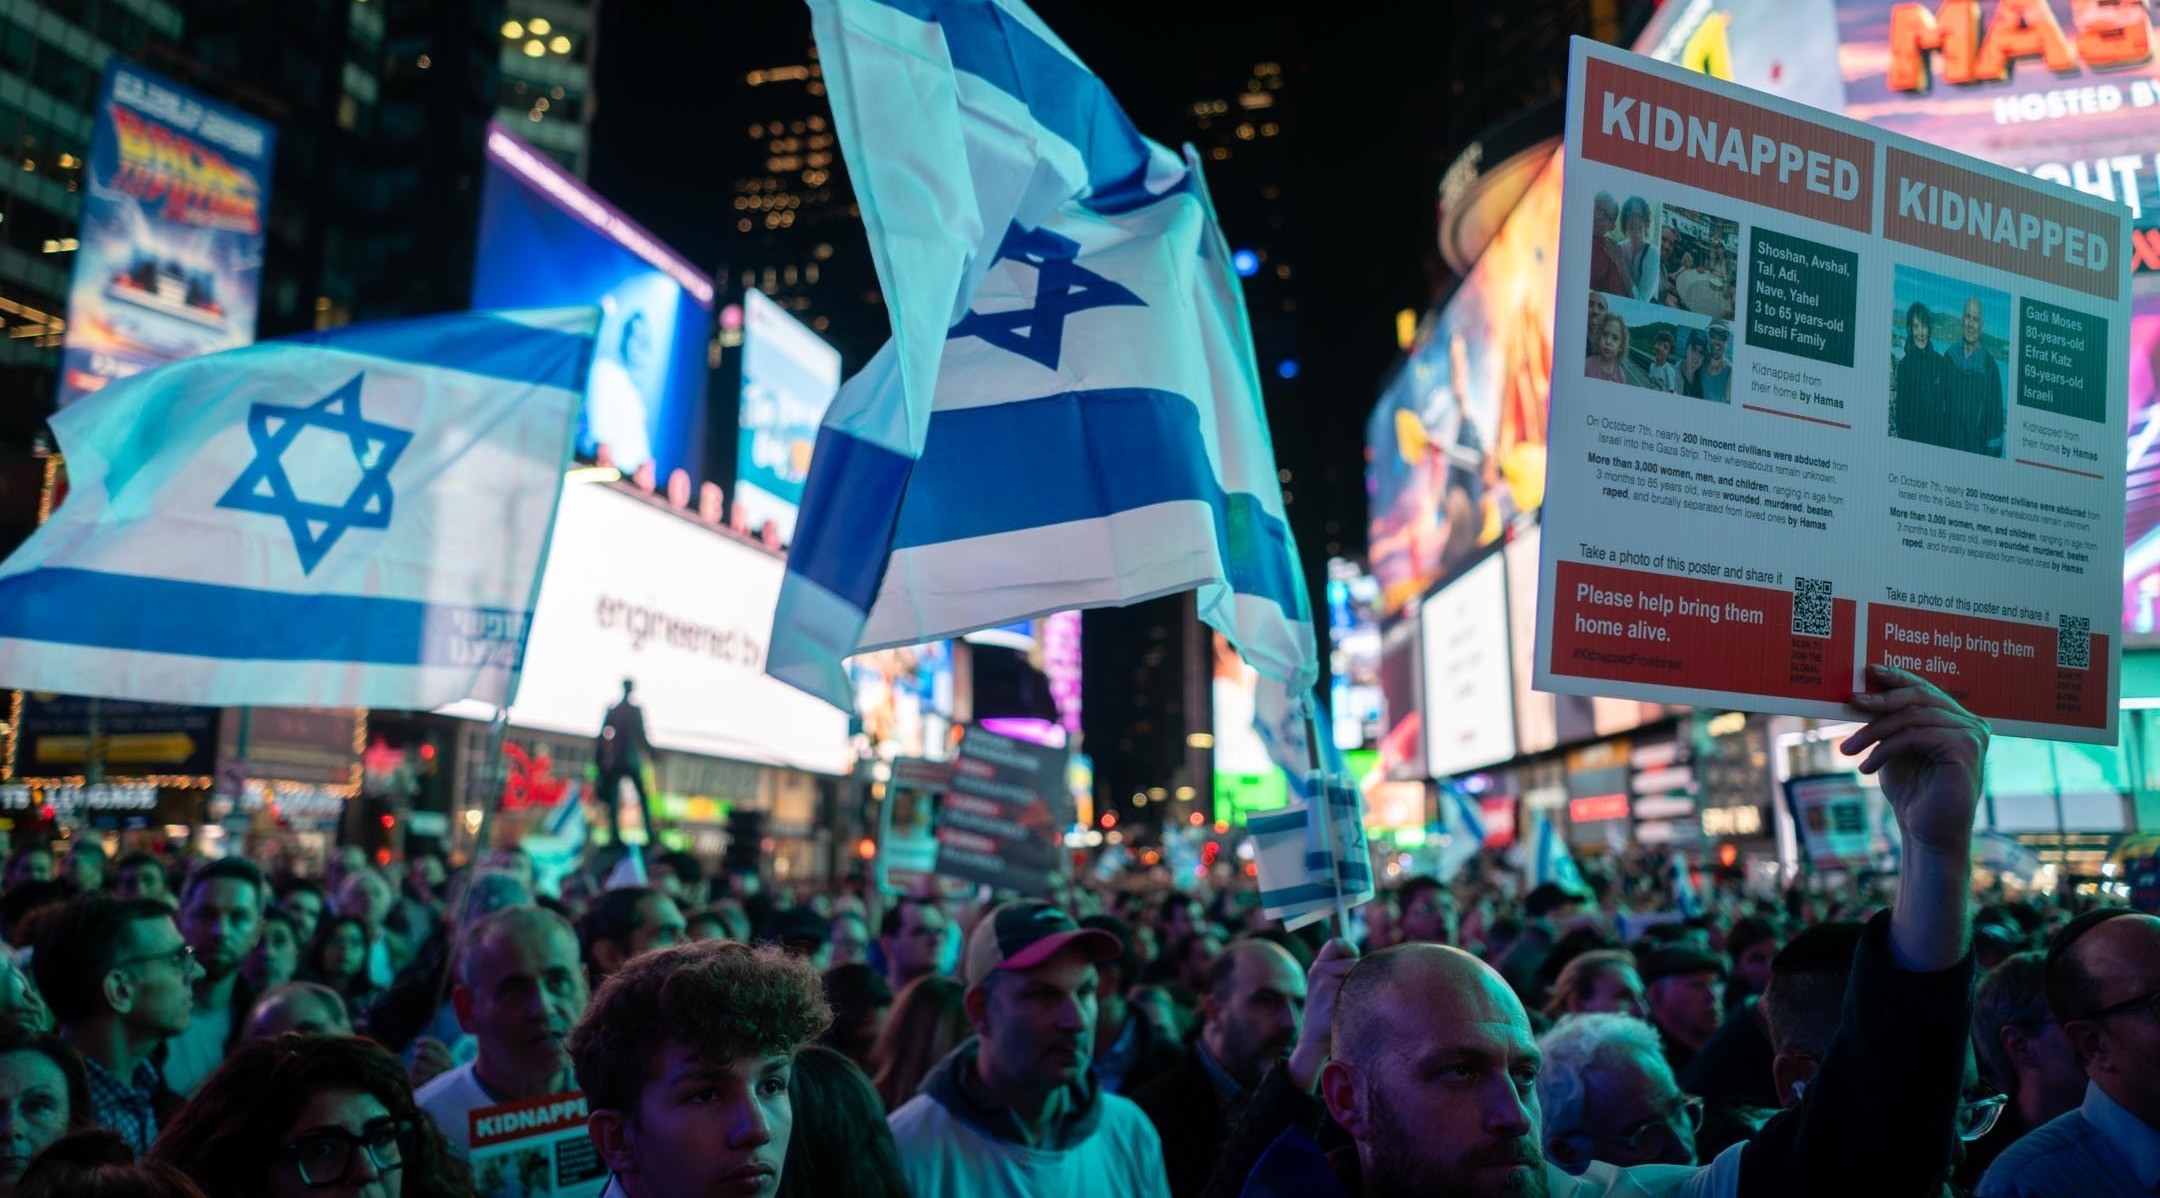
(685, 1057)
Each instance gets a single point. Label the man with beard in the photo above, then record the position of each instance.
(1249, 1018)
(221, 917)
(1015, 1110)
(520, 991)
(1434, 1074)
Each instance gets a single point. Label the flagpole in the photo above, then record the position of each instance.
(491, 778)
(1327, 817)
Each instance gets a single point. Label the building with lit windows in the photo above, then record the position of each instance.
(797, 233)
(547, 85)
(51, 57)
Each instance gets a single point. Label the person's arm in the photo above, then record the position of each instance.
(1879, 1115)
(1285, 1098)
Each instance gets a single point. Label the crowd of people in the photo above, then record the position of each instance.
(185, 1028)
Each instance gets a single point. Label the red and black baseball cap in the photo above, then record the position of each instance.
(1026, 933)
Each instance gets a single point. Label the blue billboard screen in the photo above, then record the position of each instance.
(546, 240)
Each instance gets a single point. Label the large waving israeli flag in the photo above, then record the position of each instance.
(350, 518)
(1068, 414)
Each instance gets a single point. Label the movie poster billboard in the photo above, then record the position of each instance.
(547, 240)
(1455, 448)
(789, 378)
(1905, 445)
(169, 261)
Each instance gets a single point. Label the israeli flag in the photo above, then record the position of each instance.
(1465, 824)
(1068, 414)
(1686, 899)
(1550, 859)
(349, 518)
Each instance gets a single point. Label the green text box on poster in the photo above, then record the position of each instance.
(1803, 297)
(2062, 361)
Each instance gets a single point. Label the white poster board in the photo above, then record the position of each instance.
(1841, 397)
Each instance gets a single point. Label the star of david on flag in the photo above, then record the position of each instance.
(1069, 413)
(267, 488)
(349, 518)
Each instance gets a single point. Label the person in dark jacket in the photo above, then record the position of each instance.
(1976, 409)
(1249, 1019)
(1920, 387)
(1129, 1050)
(1433, 1067)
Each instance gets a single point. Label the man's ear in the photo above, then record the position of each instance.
(2086, 1040)
(119, 992)
(2017, 1043)
(461, 1001)
(610, 1132)
(976, 1001)
(1343, 1093)
(1787, 1072)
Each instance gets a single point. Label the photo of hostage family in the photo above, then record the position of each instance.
(1947, 375)
(1662, 285)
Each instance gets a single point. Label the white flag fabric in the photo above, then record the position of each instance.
(350, 518)
(1069, 413)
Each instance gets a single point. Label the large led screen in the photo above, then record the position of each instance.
(546, 240)
(789, 376)
(1456, 447)
(1468, 707)
(638, 591)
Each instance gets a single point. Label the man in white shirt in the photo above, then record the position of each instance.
(519, 992)
(1016, 1110)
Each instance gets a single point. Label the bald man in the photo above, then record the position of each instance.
(2103, 987)
(1249, 1018)
(1434, 1072)
(304, 1007)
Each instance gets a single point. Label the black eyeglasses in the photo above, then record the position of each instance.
(178, 957)
(2148, 1003)
(326, 1157)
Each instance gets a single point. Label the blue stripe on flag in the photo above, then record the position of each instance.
(1063, 96)
(66, 606)
(473, 342)
(1275, 823)
(1084, 455)
(850, 504)
(1292, 896)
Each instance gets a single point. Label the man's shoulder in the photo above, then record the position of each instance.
(1125, 1116)
(1174, 1087)
(919, 1117)
(2029, 1158)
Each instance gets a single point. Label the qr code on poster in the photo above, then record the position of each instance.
(2073, 643)
(1810, 606)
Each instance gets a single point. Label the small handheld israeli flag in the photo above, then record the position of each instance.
(350, 518)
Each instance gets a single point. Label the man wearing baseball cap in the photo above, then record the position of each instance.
(1015, 1110)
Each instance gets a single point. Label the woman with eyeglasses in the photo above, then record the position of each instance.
(321, 1116)
(44, 1095)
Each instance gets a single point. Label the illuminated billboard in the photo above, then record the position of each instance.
(904, 698)
(1353, 598)
(1468, 706)
(1246, 777)
(789, 376)
(638, 591)
(169, 256)
(1456, 447)
(546, 240)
